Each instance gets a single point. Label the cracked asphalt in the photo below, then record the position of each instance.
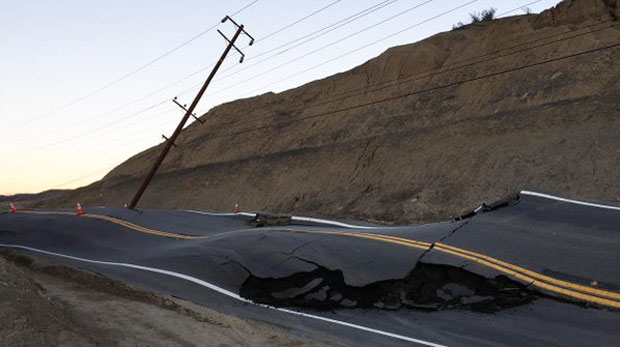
(565, 254)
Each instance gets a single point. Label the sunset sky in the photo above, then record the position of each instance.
(85, 85)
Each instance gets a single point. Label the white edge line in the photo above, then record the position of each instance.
(331, 222)
(294, 218)
(225, 292)
(223, 214)
(553, 197)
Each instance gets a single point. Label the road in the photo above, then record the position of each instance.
(534, 270)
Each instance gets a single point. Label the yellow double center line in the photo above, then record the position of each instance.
(572, 290)
(122, 223)
(576, 291)
(140, 228)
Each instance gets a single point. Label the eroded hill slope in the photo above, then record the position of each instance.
(420, 133)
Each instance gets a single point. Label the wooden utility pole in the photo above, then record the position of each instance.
(190, 111)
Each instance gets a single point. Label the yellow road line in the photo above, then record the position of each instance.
(48, 213)
(140, 228)
(533, 274)
(539, 276)
(120, 222)
(537, 283)
(421, 243)
(601, 297)
(371, 237)
(513, 270)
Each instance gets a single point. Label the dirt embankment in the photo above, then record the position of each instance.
(420, 133)
(44, 304)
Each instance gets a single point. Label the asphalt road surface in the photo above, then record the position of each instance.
(536, 270)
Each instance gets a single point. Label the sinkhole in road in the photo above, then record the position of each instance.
(426, 287)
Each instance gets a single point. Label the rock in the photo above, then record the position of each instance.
(348, 303)
(319, 295)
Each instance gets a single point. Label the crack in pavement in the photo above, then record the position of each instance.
(441, 240)
(308, 261)
(238, 263)
(291, 254)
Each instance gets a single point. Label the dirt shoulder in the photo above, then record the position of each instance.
(44, 304)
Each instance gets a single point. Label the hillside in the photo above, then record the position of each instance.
(48, 194)
(420, 133)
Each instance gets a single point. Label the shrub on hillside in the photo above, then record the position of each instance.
(477, 17)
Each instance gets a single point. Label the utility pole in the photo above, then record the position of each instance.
(190, 111)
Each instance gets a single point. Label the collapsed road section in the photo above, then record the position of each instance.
(427, 287)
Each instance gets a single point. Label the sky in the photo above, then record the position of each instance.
(86, 84)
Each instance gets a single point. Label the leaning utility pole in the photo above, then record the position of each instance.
(190, 111)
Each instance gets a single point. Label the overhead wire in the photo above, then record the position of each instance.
(306, 38)
(446, 86)
(328, 45)
(470, 58)
(99, 129)
(409, 28)
(372, 7)
(300, 20)
(447, 68)
(117, 159)
(420, 76)
(366, 88)
(362, 47)
(80, 147)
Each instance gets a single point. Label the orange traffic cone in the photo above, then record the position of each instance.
(13, 208)
(80, 211)
(237, 208)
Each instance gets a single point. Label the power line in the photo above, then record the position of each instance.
(260, 39)
(307, 38)
(211, 65)
(518, 8)
(483, 55)
(361, 13)
(234, 134)
(366, 89)
(97, 130)
(148, 139)
(140, 68)
(299, 20)
(364, 46)
(431, 73)
(435, 88)
(98, 171)
(249, 66)
(389, 36)
(118, 141)
(444, 71)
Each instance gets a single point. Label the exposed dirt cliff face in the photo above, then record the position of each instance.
(465, 133)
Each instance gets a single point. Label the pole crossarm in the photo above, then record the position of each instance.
(184, 108)
(167, 139)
